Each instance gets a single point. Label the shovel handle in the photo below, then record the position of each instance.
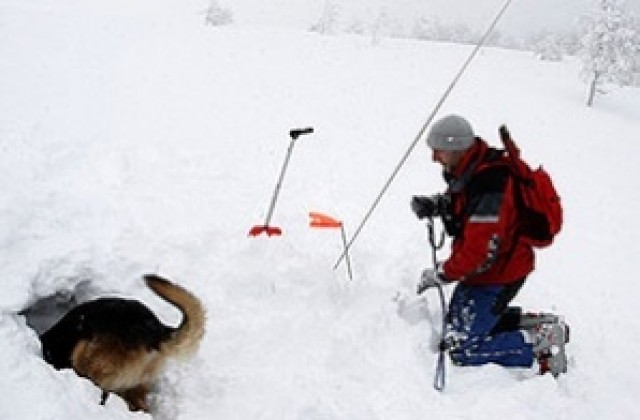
(297, 132)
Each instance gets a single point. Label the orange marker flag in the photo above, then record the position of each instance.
(319, 220)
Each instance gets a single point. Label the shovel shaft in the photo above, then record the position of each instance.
(276, 191)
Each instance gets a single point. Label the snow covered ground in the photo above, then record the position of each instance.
(135, 139)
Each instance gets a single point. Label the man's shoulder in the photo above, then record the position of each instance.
(491, 175)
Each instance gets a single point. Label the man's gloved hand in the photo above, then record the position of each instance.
(425, 206)
(431, 278)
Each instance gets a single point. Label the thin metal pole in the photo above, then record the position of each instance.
(422, 130)
(439, 379)
(344, 242)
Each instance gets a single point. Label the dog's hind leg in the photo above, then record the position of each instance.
(105, 395)
(136, 398)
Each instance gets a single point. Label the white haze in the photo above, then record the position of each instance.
(523, 17)
(135, 139)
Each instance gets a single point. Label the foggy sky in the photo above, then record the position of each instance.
(522, 18)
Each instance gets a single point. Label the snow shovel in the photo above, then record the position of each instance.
(266, 228)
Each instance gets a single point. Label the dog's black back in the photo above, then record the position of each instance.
(129, 320)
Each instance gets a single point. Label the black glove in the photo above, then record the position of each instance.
(424, 206)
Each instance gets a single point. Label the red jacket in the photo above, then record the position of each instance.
(484, 220)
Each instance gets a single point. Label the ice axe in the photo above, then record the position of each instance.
(266, 228)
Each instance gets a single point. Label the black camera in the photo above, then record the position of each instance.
(431, 206)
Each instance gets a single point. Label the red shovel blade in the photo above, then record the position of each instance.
(269, 230)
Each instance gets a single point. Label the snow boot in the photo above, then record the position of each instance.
(548, 348)
(532, 320)
(514, 319)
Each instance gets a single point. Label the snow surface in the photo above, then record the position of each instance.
(135, 139)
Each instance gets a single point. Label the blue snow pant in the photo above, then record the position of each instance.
(474, 329)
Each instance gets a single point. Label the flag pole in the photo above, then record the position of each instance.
(346, 251)
(320, 220)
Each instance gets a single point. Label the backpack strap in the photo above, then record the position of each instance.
(458, 184)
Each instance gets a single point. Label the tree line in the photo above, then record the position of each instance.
(606, 40)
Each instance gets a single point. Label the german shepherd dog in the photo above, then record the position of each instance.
(120, 345)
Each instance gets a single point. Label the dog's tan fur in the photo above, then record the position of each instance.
(113, 364)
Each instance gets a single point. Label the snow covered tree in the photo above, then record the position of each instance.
(609, 47)
(572, 42)
(548, 46)
(328, 23)
(377, 28)
(434, 30)
(392, 26)
(462, 34)
(216, 15)
(425, 28)
(356, 26)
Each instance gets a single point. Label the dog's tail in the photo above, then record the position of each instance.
(184, 339)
